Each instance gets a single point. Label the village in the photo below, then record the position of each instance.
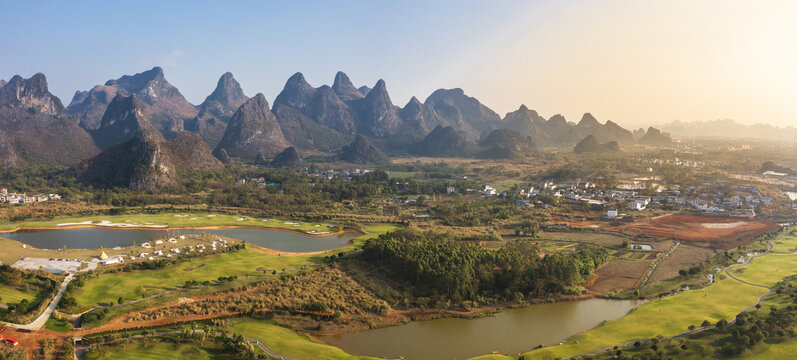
(643, 193)
(7, 197)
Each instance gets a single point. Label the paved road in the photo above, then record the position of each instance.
(42, 319)
(701, 329)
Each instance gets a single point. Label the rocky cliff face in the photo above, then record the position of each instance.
(32, 93)
(463, 112)
(217, 109)
(163, 103)
(228, 94)
(328, 109)
(376, 114)
(36, 130)
(8, 155)
(123, 119)
(418, 118)
(89, 106)
(344, 88)
(252, 130)
(297, 93)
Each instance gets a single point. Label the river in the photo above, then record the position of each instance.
(509, 332)
(93, 238)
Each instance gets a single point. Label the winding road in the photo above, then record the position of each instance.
(42, 319)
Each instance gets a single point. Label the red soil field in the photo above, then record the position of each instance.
(713, 231)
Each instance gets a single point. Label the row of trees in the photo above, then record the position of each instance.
(438, 265)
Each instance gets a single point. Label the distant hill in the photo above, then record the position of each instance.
(655, 137)
(146, 161)
(729, 129)
(252, 130)
(506, 144)
(556, 131)
(288, 158)
(123, 119)
(590, 144)
(444, 141)
(362, 151)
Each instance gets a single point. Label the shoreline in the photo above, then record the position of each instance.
(253, 247)
(167, 228)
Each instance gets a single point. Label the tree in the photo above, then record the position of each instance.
(120, 300)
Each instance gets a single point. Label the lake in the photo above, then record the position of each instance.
(509, 332)
(93, 238)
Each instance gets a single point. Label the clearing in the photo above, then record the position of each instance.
(713, 231)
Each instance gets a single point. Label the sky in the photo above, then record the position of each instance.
(636, 62)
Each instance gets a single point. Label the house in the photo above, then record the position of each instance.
(489, 190)
(111, 261)
(638, 203)
(12, 342)
(451, 190)
(240, 182)
(611, 213)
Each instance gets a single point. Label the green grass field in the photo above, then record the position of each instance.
(775, 351)
(108, 288)
(768, 270)
(9, 295)
(786, 244)
(57, 324)
(288, 343)
(157, 350)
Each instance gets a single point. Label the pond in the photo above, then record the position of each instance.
(509, 332)
(93, 238)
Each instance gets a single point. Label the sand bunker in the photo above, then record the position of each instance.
(106, 223)
(724, 226)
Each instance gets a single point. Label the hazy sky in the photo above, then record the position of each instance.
(635, 62)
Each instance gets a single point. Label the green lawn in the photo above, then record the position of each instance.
(156, 350)
(179, 220)
(776, 351)
(665, 316)
(768, 270)
(108, 288)
(288, 343)
(786, 244)
(57, 324)
(9, 295)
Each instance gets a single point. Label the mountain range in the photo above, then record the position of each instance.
(730, 129)
(147, 116)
